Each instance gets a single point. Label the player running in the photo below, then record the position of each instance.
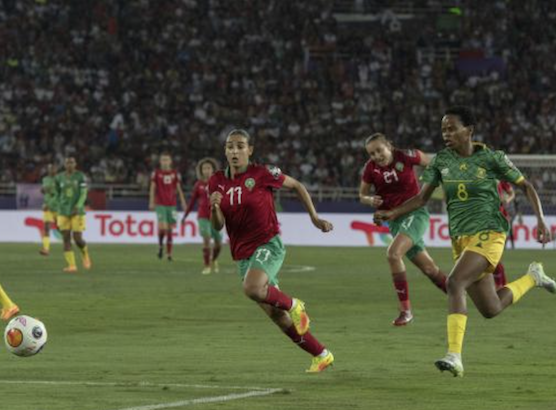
(49, 207)
(390, 171)
(242, 198)
(468, 173)
(71, 191)
(205, 168)
(162, 198)
(9, 308)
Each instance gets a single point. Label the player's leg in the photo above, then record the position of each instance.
(9, 308)
(78, 226)
(47, 220)
(64, 224)
(216, 248)
(499, 276)
(395, 253)
(322, 358)
(467, 270)
(205, 231)
(162, 228)
(426, 264)
(171, 218)
(260, 282)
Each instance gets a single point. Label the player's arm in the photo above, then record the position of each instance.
(543, 232)
(83, 190)
(365, 196)
(182, 197)
(191, 203)
(216, 216)
(510, 194)
(152, 191)
(305, 198)
(408, 206)
(424, 159)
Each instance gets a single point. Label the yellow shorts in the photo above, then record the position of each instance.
(490, 244)
(71, 223)
(49, 216)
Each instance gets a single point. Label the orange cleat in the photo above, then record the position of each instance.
(10, 312)
(44, 252)
(87, 263)
(70, 269)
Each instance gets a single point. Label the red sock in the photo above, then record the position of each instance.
(169, 243)
(216, 251)
(307, 342)
(278, 299)
(161, 235)
(206, 256)
(499, 276)
(402, 290)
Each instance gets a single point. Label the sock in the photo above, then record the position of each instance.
(46, 243)
(456, 331)
(161, 234)
(278, 299)
(169, 242)
(521, 286)
(84, 252)
(206, 256)
(402, 290)
(307, 342)
(499, 275)
(5, 299)
(70, 258)
(216, 251)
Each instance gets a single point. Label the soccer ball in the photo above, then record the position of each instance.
(25, 336)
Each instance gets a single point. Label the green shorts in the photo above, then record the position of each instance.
(207, 231)
(166, 214)
(268, 257)
(414, 226)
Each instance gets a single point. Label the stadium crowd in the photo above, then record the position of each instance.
(116, 82)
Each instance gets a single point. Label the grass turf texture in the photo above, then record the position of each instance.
(134, 318)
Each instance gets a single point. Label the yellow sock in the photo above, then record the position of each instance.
(521, 286)
(70, 258)
(46, 243)
(456, 331)
(84, 252)
(5, 299)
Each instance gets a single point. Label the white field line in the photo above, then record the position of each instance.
(205, 400)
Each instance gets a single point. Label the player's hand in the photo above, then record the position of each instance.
(215, 199)
(543, 233)
(321, 224)
(376, 200)
(151, 206)
(183, 219)
(381, 216)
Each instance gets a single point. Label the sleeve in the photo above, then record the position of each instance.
(272, 177)
(82, 191)
(193, 200)
(505, 170)
(213, 185)
(431, 175)
(367, 176)
(411, 156)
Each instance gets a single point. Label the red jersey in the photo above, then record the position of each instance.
(200, 193)
(504, 186)
(248, 207)
(394, 183)
(165, 183)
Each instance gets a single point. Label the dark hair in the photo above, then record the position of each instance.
(378, 136)
(464, 114)
(165, 154)
(243, 133)
(203, 161)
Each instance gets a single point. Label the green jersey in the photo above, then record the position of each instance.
(72, 192)
(470, 185)
(50, 194)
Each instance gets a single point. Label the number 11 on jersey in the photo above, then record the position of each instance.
(236, 190)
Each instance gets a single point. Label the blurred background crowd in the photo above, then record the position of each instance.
(116, 81)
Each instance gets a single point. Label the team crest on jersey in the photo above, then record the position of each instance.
(250, 183)
(481, 173)
(274, 171)
(399, 166)
(445, 172)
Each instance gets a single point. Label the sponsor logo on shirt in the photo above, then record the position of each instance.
(399, 166)
(274, 171)
(481, 173)
(463, 166)
(445, 172)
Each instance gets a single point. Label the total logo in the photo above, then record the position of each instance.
(39, 225)
(370, 229)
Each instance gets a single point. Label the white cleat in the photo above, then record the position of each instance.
(541, 280)
(452, 363)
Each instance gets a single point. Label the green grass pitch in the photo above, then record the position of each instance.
(139, 333)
